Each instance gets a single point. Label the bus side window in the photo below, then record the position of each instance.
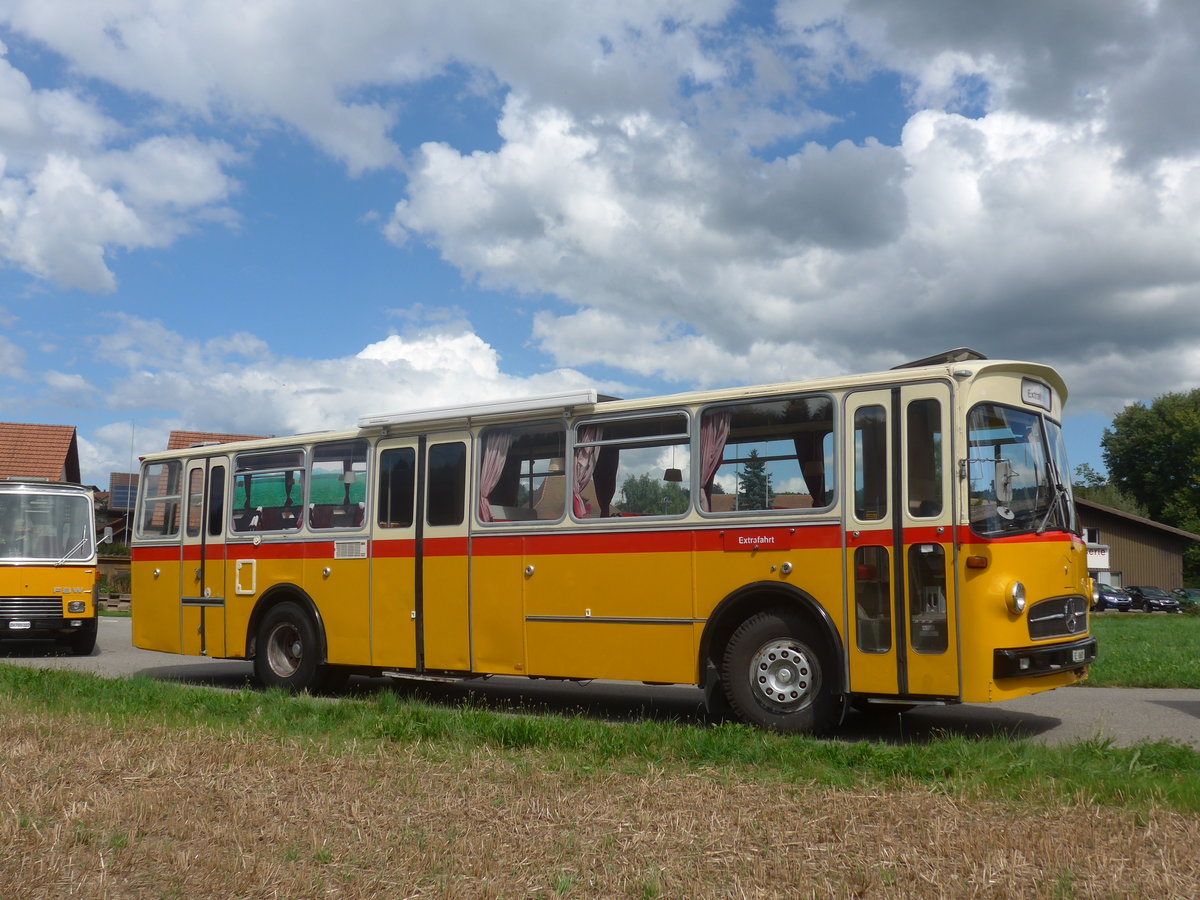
(447, 484)
(873, 599)
(195, 502)
(924, 458)
(767, 455)
(651, 456)
(216, 500)
(337, 485)
(927, 593)
(397, 475)
(161, 483)
(268, 491)
(870, 463)
(522, 473)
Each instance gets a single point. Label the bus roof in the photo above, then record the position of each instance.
(958, 366)
(15, 483)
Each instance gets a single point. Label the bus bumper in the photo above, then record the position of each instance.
(23, 628)
(1026, 661)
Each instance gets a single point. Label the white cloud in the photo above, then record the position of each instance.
(66, 202)
(658, 190)
(69, 383)
(61, 222)
(235, 385)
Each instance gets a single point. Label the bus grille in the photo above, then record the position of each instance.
(1058, 617)
(31, 607)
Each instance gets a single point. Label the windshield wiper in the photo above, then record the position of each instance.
(71, 552)
(1055, 503)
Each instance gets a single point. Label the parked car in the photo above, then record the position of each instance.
(1110, 597)
(1188, 598)
(1148, 599)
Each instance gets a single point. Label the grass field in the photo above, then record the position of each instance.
(1159, 650)
(139, 788)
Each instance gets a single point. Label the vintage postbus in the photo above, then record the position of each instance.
(904, 537)
(48, 563)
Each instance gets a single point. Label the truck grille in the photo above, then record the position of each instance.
(1058, 617)
(30, 607)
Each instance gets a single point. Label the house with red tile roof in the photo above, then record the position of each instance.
(181, 440)
(44, 452)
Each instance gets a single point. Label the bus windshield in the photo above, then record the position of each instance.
(1017, 470)
(47, 526)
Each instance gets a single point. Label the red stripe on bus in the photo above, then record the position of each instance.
(821, 537)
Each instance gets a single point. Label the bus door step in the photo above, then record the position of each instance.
(437, 679)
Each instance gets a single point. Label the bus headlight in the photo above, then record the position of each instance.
(1016, 598)
(76, 606)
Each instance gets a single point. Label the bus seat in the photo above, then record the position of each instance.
(320, 515)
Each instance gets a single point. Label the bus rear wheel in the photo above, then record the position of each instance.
(778, 678)
(286, 652)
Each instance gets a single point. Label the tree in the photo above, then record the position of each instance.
(647, 496)
(1088, 484)
(754, 487)
(1153, 455)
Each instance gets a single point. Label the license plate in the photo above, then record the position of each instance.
(18, 625)
(1078, 655)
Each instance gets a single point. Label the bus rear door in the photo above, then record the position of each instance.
(202, 582)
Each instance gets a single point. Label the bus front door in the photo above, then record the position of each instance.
(420, 603)
(202, 583)
(901, 612)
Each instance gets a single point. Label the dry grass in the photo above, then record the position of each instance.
(96, 811)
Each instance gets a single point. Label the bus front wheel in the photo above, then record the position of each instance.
(82, 641)
(777, 677)
(286, 653)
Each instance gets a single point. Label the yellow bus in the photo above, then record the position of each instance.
(48, 563)
(905, 537)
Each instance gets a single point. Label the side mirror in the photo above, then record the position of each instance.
(108, 535)
(1004, 480)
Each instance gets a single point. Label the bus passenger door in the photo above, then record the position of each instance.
(394, 555)
(874, 646)
(902, 623)
(420, 605)
(443, 562)
(202, 587)
(926, 492)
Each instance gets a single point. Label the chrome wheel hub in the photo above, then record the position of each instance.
(285, 651)
(782, 675)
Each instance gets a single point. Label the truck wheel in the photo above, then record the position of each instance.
(286, 653)
(778, 677)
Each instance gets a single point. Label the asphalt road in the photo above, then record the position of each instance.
(1123, 715)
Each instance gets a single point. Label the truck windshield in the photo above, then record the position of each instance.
(1017, 469)
(45, 527)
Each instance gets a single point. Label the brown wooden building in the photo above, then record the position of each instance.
(1125, 549)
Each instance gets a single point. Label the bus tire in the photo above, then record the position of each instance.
(82, 641)
(778, 678)
(287, 650)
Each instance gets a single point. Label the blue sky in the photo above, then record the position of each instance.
(264, 217)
